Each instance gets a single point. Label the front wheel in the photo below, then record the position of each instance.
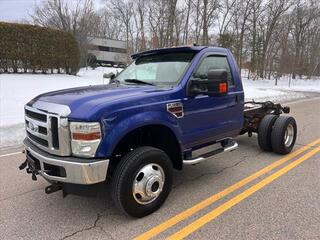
(142, 181)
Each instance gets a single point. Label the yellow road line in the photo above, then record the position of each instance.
(232, 202)
(203, 204)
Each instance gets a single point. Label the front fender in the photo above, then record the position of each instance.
(114, 131)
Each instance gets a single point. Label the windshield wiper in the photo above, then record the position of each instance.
(132, 80)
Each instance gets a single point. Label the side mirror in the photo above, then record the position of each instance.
(215, 85)
(110, 75)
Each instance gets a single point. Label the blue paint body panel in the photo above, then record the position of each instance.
(121, 109)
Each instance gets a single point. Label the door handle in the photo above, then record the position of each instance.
(237, 98)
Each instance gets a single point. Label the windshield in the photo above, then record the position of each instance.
(161, 69)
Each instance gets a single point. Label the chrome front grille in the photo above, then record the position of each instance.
(47, 127)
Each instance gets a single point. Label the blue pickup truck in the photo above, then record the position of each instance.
(146, 122)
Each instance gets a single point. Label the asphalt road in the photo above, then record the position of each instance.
(282, 201)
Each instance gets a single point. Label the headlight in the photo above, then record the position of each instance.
(85, 138)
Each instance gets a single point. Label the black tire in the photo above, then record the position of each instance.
(278, 141)
(125, 175)
(264, 132)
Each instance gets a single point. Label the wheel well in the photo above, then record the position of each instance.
(157, 136)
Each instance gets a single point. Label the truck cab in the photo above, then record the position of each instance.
(133, 131)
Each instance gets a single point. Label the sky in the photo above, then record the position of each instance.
(19, 10)
(16, 10)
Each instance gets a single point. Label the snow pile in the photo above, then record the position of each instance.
(286, 89)
(17, 89)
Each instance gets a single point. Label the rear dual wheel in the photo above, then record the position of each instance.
(264, 132)
(284, 134)
(277, 133)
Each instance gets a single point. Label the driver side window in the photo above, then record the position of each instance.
(213, 62)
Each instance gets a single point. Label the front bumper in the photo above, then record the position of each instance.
(65, 169)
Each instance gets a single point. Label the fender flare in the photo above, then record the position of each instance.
(114, 133)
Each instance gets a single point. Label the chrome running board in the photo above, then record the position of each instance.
(232, 145)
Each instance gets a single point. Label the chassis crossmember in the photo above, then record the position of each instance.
(254, 112)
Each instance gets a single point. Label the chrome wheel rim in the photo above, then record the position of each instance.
(148, 183)
(289, 135)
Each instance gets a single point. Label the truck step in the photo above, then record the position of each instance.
(228, 147)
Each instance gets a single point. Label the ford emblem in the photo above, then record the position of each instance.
(33, 127)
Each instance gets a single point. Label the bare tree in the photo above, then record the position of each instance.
(110, 25)
(269, 37)
(123, 10)
(187, 10)
(77, 17)
(141, 9)
(302, 18)
(226, 8)
(171, 17)
(239, 20)
(209, 8)
(274, 10)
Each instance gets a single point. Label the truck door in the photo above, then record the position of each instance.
(212, 118)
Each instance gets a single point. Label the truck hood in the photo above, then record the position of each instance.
(84, 99)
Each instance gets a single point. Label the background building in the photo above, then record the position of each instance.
(105, 51)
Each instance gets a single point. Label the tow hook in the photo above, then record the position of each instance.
(29, 170)
(23, 165)
(33, 172)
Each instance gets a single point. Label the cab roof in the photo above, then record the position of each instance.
(194, 49)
